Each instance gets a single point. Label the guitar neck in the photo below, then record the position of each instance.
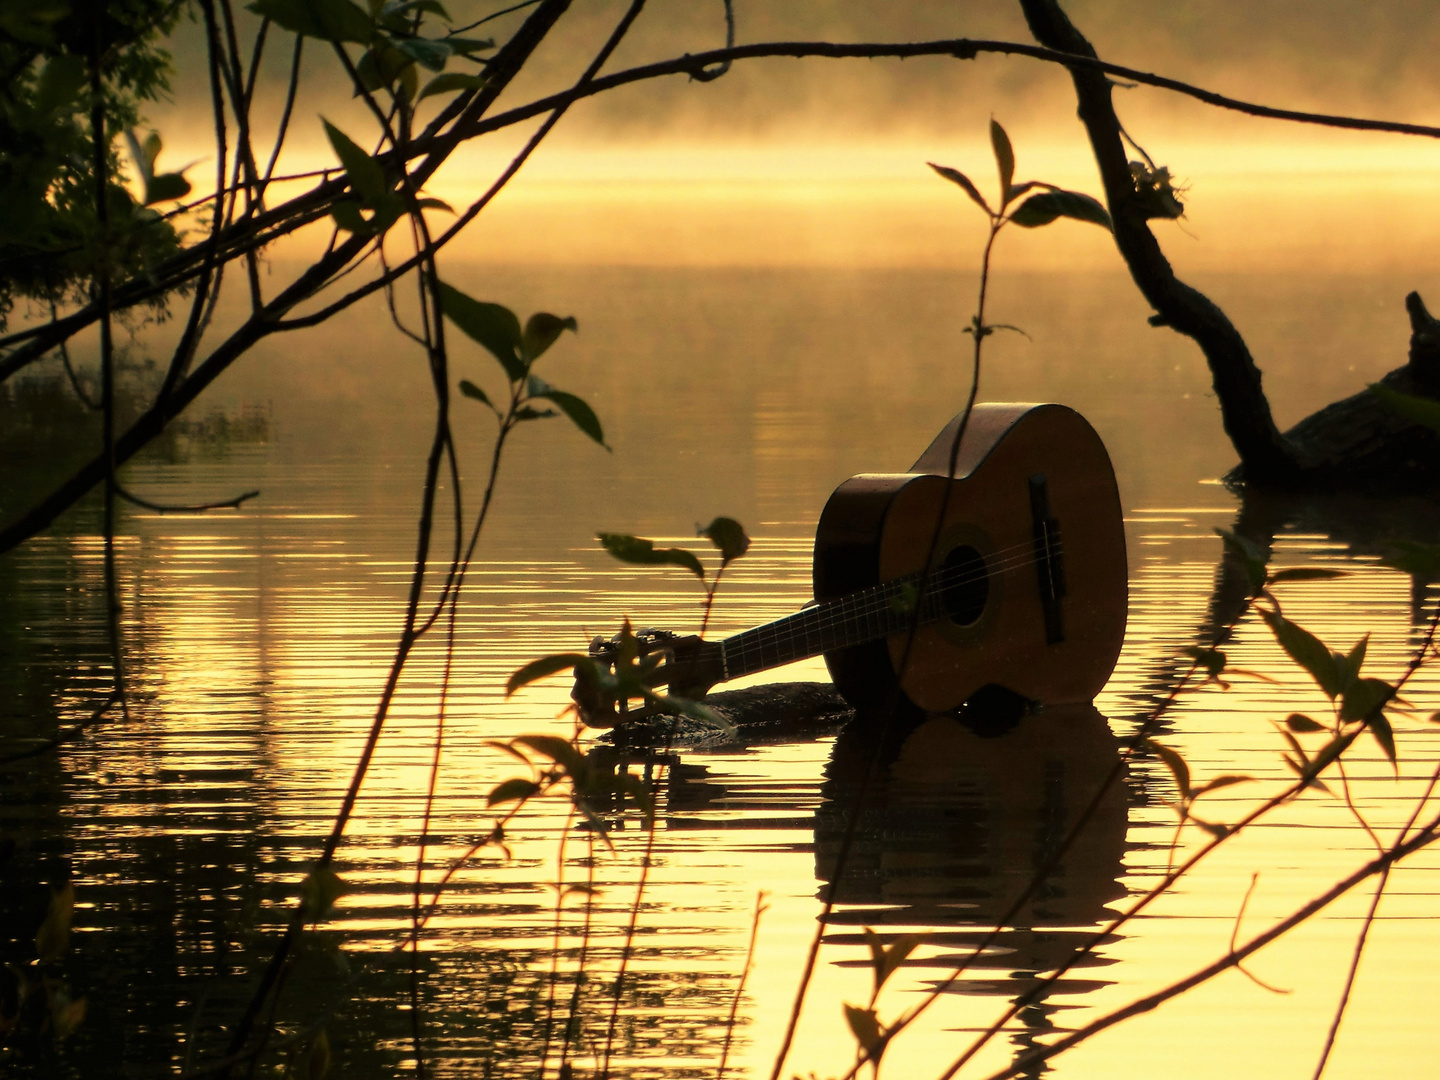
(864, 616)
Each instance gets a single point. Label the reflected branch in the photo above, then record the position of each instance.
(67, 736)
(1381, 864)
(183, 508)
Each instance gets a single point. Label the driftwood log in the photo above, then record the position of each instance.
(1361, 440)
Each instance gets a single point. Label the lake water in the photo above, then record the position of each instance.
(257, 642)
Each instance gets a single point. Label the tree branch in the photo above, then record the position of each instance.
(1268, 457)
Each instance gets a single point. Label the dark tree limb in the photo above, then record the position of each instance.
(1267, 456)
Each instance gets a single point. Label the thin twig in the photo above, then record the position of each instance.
(1350, 974)
(760, 910)
(555, 939)
(99, 147)
(625, 949)
(572, 1019)
(1027, 1063)
(1235, 935)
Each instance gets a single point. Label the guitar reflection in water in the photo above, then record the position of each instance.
(953, 825)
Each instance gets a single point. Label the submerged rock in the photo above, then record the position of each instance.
(773, 712)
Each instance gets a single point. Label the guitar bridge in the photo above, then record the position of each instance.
(1049, 558)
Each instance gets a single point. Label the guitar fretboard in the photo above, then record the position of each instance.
(852, 620)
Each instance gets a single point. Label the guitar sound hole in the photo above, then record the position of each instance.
(965, 585)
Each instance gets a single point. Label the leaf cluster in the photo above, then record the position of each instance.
(51, 243)
(1359, 702)
(608, 681)
(516, 348)
(36, 997)
(727, 534)
(395, 47)
(1050, 204)
(556, 761)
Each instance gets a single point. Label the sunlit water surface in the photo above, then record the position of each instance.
(257, 643)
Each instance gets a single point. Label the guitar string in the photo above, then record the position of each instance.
(879, 598)
(878, 601)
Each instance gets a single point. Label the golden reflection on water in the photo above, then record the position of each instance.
(259, 640)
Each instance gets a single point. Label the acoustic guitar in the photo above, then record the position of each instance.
(1026, 588)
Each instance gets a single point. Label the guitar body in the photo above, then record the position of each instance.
(1034, 494)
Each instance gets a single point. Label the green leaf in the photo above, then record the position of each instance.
(728, 535)
(1421, 560)
(1384, 734)
(470, 390)
(1223, 781)
(53, 937)
(347, 215)
(1364, 698)
(166, 186)
(1212, 660)
(430, 54)
(491, 325)
(450, 82)
(1044, 208)
(642, 552)
(314, 1063)
(1004, 157)
(506, 748)
(465, 46)
(1302, 723)
(539, 669)
(1304, 573)
(955, 176)
(1219, 830)
(60, 84)
(409, 83)
(30, 20)
(529, 412)
(865, 1026)
(330, 20)
(542, 330)
(578, 411)
(516, 789)
(1306, 650)
(885, 962)
(366, 177)
(319, 891)
(1176, 764)
(381, 65)
(1423, 411)
(430, 203)
(561, 751)
(1348, 667)
(1250, 556)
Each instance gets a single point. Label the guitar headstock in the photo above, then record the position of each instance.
(647, 658)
